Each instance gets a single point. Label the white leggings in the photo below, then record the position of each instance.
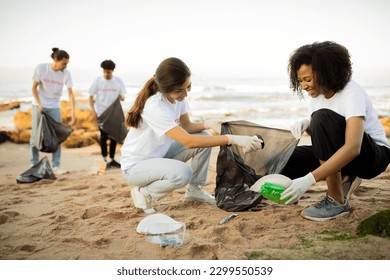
(160, 176)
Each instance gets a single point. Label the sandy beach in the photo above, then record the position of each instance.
(84, 216)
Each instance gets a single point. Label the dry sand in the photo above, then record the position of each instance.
(83, 216)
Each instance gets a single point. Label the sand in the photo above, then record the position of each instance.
(84, 216)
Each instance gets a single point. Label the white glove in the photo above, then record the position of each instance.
(299, 127)
(214, 124)
(248, 143)
(298, 187)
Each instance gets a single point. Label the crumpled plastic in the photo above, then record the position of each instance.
(39, 171)
(50, 133)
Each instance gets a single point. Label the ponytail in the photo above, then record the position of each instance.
(134, 115)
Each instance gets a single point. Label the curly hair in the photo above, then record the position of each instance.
(330, 62)
(108, 65)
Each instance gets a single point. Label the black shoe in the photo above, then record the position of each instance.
(113, 164)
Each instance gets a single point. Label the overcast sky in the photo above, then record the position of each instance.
(220, 38)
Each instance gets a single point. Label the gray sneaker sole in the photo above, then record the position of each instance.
(325, 218)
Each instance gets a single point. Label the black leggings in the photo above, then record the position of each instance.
(103, 144)
(327, 130)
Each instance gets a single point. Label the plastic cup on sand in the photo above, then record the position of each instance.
(162, 229)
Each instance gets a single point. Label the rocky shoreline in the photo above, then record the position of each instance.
(85, 131)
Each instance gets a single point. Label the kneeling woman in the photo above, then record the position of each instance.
(162, 138)
(348, 141)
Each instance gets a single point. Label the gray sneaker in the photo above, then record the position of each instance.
(350, 184)
(326, 209)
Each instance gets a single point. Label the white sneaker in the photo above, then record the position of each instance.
(350, 185)
(140, 201)
(58, 170)
(199, 195)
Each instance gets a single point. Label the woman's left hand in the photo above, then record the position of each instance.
(298, 187)
(214, 124)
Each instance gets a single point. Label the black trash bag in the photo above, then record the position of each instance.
(46, 140)
(41, 170)
(112, 121)
(50, 133)
(233, 181)
(237, 172)
(62, 131)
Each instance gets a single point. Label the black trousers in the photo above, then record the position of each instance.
(103, 144)
(327, 130)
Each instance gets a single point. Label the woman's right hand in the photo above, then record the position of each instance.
(249, 143)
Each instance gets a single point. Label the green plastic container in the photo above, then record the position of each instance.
(273, 192)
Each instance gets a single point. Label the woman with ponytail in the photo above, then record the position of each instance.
(162, 138)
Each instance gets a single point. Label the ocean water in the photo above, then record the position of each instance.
(266, 102)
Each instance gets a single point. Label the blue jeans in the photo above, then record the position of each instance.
(161, 176)
(55, 113)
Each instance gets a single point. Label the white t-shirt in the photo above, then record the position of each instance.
(353, 101)
(51, 84)
(149, 139)
(106, 92)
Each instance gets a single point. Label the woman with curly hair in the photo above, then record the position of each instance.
(348, 141)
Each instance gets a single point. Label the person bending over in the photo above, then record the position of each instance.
(48, 83)
(162, 138)
(348, 140)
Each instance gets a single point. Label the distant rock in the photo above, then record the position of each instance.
(81, 138)
(20, 136)
(22, 120)
(386, 125)
(9, 106)
(85, 132)
(4, 137)
(84, 118)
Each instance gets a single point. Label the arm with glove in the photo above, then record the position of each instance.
(298, 187)
(249, 143)
(299, 127)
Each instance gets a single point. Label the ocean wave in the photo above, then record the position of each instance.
(271, 103)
